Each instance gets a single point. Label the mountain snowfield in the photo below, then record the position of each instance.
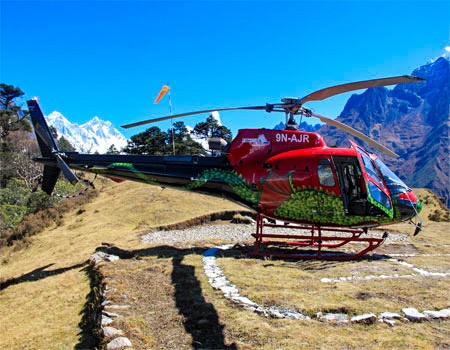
(98, 135)
(94, 136)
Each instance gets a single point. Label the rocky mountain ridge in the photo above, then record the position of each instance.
(412, 120)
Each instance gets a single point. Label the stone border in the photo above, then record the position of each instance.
(218, 281)
(108, 312)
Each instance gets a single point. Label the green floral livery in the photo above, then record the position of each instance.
(318, 206)
(305, 204)
(232, 179)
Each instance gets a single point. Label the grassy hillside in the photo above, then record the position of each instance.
(173, 306)
(47, 282)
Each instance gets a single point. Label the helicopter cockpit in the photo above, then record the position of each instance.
(382, 188)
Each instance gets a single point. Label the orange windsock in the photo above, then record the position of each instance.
(163, 91)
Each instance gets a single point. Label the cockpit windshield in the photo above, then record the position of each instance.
(377, 191)
(371, 170)
(394, 184)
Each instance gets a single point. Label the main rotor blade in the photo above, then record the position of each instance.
(355, 133)
(339, 89)
(154, 120)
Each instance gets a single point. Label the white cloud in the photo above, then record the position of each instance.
(446, 53)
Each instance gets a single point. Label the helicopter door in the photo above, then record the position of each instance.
(377, 193)
(351, 184)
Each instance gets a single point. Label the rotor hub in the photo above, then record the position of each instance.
(290, 100)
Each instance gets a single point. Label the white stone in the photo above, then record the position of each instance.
(111, 258)
(275, 313)
(413, 315)
(229, 290)
(365, 318)
(445, 313)
(245, 301)
(339, 318)
(389, 322)
(296, 316)
(106, 320)
(436, 314)
(118, 343)
(390, 315)
(110, 332)
(98, 257)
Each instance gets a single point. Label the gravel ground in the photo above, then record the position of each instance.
(233, 232)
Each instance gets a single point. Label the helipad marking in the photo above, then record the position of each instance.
(217, 280)
(420, 273)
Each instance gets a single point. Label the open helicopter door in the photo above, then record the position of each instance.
(352, 184)
(377, 193)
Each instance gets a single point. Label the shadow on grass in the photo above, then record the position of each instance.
(39, 274)
(298, 257)
(200, 317)
(90, 334)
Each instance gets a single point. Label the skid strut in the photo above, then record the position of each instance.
(272, 244)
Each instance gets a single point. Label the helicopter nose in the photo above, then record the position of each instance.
(409, 205)
(411, 197)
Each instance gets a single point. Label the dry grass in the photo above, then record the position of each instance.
(172, 306)
(46, 284)
(290, 284)
(186, 312)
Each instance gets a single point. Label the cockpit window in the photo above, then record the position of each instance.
(325, 172)
(370, 169)
(377, 192)
(379, 196)
(394, 184)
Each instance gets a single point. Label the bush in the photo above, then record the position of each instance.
(15, 193)
(10, 216)
(440, 215)
(24, 213)
(39, 201)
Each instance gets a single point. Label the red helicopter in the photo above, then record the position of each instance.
(335, 194)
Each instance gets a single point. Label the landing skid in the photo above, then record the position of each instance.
(287, 245)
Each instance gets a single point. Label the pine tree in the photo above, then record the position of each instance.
(212, 128)
(12, 118)
(16, 144)
(151, 141)
(184, 144)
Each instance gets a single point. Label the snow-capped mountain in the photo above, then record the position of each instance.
(96, 135)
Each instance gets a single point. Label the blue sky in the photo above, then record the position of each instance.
(110, 58)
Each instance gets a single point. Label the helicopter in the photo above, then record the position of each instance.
(291, 178)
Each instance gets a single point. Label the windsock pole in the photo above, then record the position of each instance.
(171, 120)
(166, 89)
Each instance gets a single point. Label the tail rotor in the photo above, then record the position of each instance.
(53, 158)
